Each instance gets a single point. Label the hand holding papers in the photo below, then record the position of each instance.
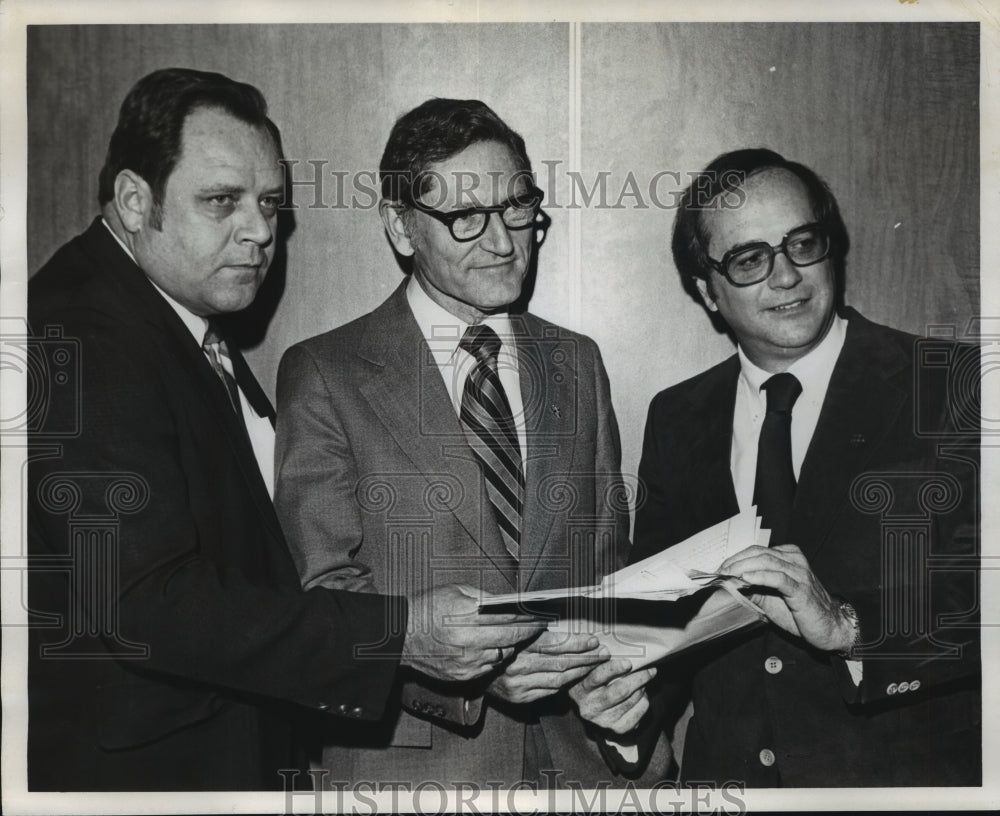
(681, 570)
(625, 611)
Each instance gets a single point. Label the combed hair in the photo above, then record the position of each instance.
(434, 132)
(147, 138)
(727, 174)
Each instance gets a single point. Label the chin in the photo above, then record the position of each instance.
(234, 301)
(508, 292)
(498, 303)
(801, 341)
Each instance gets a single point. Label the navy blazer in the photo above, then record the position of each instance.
(886, 511)
(172, 643)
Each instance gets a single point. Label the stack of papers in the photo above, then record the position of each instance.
(614, 612)
(673, 573)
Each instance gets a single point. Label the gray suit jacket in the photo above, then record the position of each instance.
(378, 490)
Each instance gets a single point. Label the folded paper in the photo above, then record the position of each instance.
(662, 605)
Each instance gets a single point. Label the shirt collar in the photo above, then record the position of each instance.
(813, 370)
(196, 324)
(442, 330)
(121, 243)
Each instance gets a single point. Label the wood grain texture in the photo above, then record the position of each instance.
(887, 113)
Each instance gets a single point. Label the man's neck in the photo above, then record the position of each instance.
(466, 312)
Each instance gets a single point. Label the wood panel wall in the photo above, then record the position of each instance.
(887, 113)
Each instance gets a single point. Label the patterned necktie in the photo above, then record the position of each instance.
(489, 428)
(774, 485)
(215, 349)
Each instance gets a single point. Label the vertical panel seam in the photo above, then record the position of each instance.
(575, 295)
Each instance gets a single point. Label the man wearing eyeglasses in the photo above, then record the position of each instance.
(863, 466)
(443, 438)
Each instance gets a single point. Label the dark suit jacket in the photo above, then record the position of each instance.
(886, 512)
(378, 490)
(171, 639)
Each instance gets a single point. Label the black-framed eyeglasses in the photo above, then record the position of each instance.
(751, 263)
(468, 224)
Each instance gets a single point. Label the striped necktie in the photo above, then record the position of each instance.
(492, 435)
(215, 349)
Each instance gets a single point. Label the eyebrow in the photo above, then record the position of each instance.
(237, 189)
(221, 188)
(514, 199)
(761, 241)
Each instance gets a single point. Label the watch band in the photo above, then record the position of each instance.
(849, 612)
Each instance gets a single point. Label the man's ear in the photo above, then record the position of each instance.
(707, 293)
(133, 200)
(395, 227)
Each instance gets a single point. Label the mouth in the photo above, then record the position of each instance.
(790, 306)
(247, 268)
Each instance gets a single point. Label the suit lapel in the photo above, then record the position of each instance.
(213, 394)
(863, 401)
(406, 392)
(713, 401)
(134, 289)
(548, 372)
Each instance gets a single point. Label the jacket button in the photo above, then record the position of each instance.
(891, 689)
(323, 706)
(356, 711)
(914, 685)
(773, 665)
(903, 687)
(766, 757)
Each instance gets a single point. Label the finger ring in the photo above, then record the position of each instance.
(499, 659)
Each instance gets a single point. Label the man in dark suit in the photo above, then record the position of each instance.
(172, 646)
(863, 461)
(442, 437)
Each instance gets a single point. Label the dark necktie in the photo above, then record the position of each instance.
(215, 350)
(489, 428)
(774, 485)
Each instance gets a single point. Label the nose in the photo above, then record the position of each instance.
(785, 274)
(497, 238)
(256, 226)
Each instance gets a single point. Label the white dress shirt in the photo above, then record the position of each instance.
(813, 371)
(443, 331)
(258, 428)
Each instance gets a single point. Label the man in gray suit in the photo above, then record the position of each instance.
(443, 438)
(174, 648)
